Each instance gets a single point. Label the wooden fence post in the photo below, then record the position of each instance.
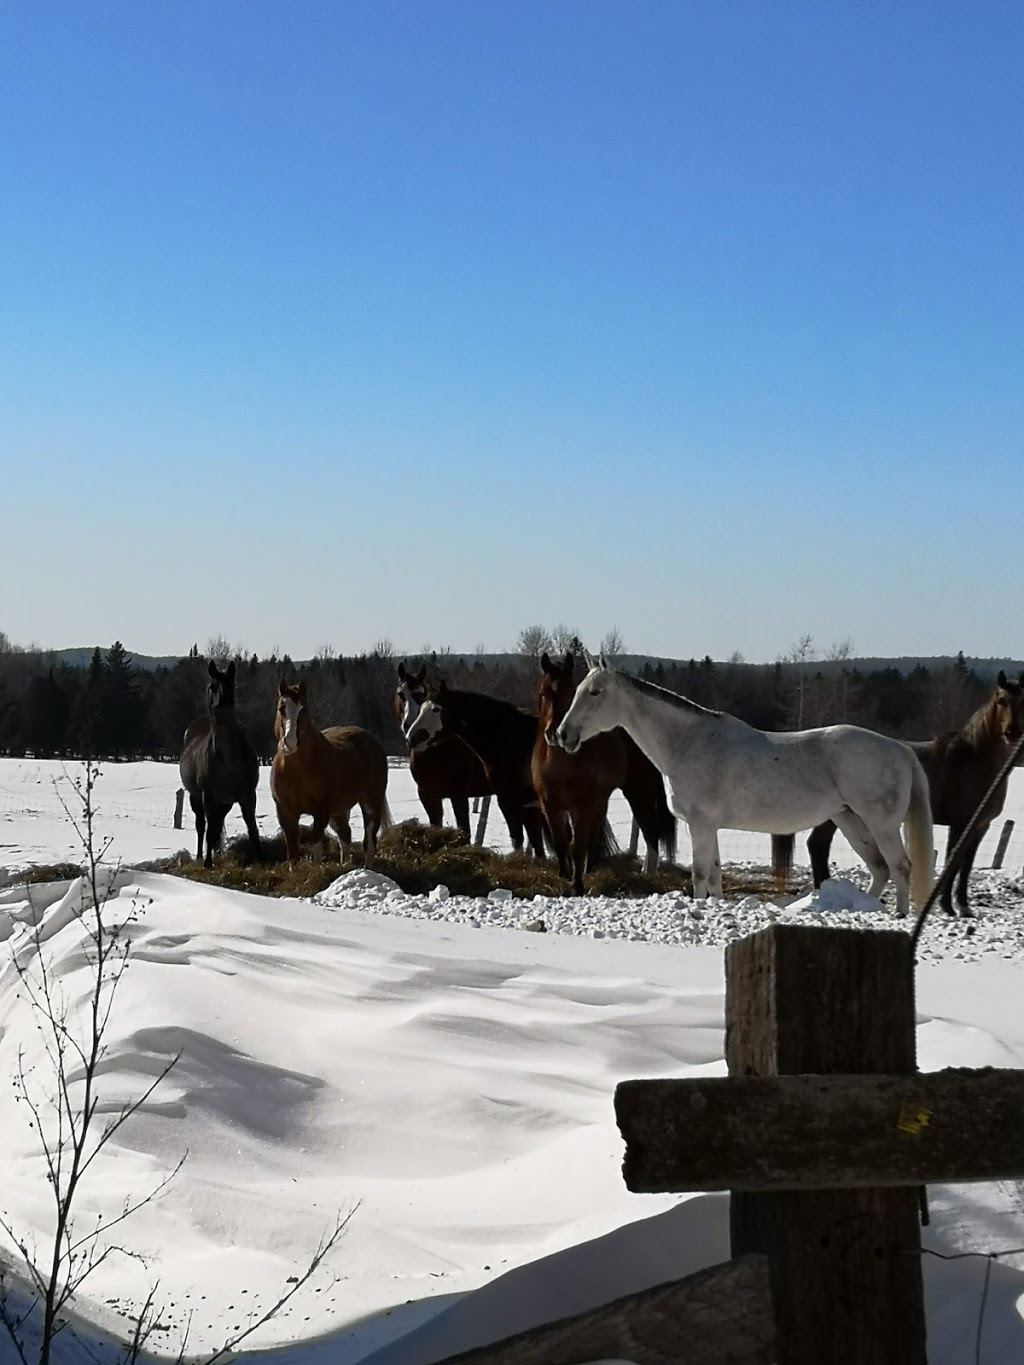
(481, 824)
(846, 1264)
(179, 801)
(1004, 839)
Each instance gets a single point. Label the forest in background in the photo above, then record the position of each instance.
(111, 708)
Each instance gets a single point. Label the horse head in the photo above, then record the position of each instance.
(291, 707)
(221, 688)
(1009, 702)
(410, 694)
(593, 708)
(554, 692)
(430, 722)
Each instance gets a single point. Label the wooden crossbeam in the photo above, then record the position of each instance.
(816, 1132)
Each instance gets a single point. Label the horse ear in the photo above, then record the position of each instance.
(545, 663)
(402, 673)
(282, 687)
(211, 668)
(569, 663)
(590, 660)
(302, 689)
(231, 670)
(1001, 680)
(603, 664)
(442, 688)
(421, 677)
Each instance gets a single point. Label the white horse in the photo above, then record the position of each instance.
(724, 774)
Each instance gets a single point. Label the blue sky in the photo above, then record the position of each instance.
(328, 323)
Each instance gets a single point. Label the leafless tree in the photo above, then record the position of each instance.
(62, 1104)
(532, 641)
(64, 1112)
(613, 644)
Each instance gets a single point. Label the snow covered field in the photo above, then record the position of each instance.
(429, 1064)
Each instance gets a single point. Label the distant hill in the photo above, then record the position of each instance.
(632, 663)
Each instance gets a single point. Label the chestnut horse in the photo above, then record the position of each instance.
(961, 766)
(574, 789)
(444, 770)
(324, 773)
(219, 766)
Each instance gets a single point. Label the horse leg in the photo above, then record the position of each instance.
(558, 825)
(434, 806)
(371, 826)
(715, 880)
(199, 811)
(215, 817)
(512, 810)
(535, 825)
(343, 829)
(460, 810)
(586, 838)
(290, 829)
(248, 808)
(967, 856)
(704, 838)
(860, 839)
(819, 842)
(318, 839)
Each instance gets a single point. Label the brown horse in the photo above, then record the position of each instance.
(324, 773)
(574, 789)
(444, 770)
(961, 766)
(219, 766)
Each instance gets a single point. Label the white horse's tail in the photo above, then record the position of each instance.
(920, 837)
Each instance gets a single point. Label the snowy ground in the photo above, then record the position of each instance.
(429, 1064)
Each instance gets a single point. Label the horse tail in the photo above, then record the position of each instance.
(920, 834)
(667, 826)
(609, 845)
(386, 819)
(782, 859)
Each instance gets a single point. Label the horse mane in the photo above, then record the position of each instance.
(673, 698)
(508, 708)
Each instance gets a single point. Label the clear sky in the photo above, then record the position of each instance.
(322, 323)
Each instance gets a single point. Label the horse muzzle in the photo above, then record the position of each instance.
(551, 737)
(569, 740)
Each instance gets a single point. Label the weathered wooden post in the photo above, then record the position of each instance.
(179, 801)
(1004, 839)
(845, 1263)
(825, 1166)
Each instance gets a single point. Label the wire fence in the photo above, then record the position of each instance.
(144, 795)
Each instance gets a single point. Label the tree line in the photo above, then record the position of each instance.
(113, 709)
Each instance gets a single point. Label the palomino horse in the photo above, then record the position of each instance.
(219, 766)
(573, 789)
(501, 735)
(324, 773)
(724, 774)
(444, 770)
(961, 766)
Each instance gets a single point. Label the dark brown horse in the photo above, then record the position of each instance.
(574, 789)
(219, 766)
(961, 766)
(324, 773)
(501, 735)
(446, 770)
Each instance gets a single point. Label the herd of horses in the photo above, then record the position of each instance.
(552, 772)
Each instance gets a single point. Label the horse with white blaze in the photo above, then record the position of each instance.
(724, 774)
